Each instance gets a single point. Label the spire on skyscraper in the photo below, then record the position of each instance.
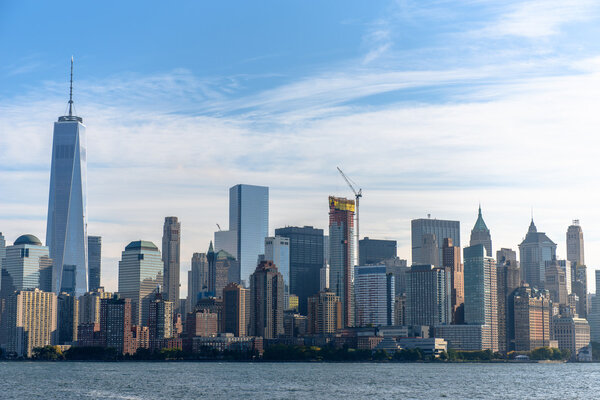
(71, 91)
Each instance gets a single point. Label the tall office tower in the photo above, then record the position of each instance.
(26, 266)
(428, 299)
(160, 319)
(532, 313)
(249, 218)
(399, 268)
(567, 267)
(323, 278)
(68, 318)
(234, 309)
(575, 243)
(400, 310)
(171, 243)
(266, 301)
(430, 251)
(594, 315)
(374, 251)
(307, 248)
(579, 287)
(440, 228)
(2, 249)
(374, 296)
(556, 282)
(342, 254)
(66, 229)
(535, 250)
(140, 273)
(326, 249)
(324, 313)
(451, 261)
(94, 261)
(277, 249)
(508, 278)
(481, 293)
(571, 332)
(226, 240)
(89, 306)
(198, 278)
(219, 272)
(115, 324)
(480, 234)
(30, 321)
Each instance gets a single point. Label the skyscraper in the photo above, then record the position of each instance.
(160, 319)
(480, 234)
(26, 266)
(556, 282)
(306, 260)
(374, 251)
(342, 254)
(115, 323)
(220, 272)
(451, 261)
(68, 318)
(481, 293)
(324, 313)
(2, 250)
(508, 279)
(171, 243)
(140, 273)
(277, 249)
(66, 229)
(234, 309)
(374, 294)
(575, 243)
(198, 278)
(441, 229)
(535, 250)
(428, 296)
(532, 313)
(266, 301)
(94, 261)
(249, 217)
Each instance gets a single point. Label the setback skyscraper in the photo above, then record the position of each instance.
(535, 250)
(440, 229)
(94, 261)
(575, 243)
(266, 301)
(171, 243)
(342, 254)
(480, 234)
(66, 229)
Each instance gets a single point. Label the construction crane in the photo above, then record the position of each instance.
(357, 196)
(219, 227)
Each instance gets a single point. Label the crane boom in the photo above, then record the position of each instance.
(357, 196)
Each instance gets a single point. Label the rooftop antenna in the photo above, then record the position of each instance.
(71, 91)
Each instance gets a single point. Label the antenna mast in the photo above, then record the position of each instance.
(71, 91)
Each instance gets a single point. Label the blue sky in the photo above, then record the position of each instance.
(431, 106)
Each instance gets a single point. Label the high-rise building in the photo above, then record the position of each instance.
(374, 251)
(68, 318)
(430, 251)
(556, 282)
(571, 332)
(306, 261)
(94, 261)
(198, 278)
(481, 293)
(400, 310)
(115, 324)
(266, 301)
(249, 218)
(140, 273)
(594, 316)
(374, 295)
(342, 254)
(579, 287)
(442, 229)
(324, 313)
(30, 321)
(2, 250)
(532, 313)
(66, 229)
(399, 268)
(171, 244)
(26, 266)
(428, 299)
(452, 262)
(480, 234)
(575, 244)
(535, 250)
(234, 309)
(160, 319)
(277, 249)
(220, 272)
(89, 305)
(226, 240)
(508, 279)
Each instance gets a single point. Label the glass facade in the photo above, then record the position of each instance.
(66, 234)
(94, 261)
(25, 267)
(140, 273)
(249, 217)
(442, 229)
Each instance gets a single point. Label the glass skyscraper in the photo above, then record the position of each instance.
(249, 217)
(94, 261)
(425, 227)
(26, 266)
(66, 229)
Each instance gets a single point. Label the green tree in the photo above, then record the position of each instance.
(47, 353)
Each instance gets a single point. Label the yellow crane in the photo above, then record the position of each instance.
(357, 196)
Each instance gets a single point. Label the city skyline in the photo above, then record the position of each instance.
(256, 129)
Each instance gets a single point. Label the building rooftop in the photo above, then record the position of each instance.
(141, 245)
(28, 239)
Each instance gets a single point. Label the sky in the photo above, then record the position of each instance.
(431, 107)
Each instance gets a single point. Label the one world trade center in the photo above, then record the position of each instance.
(66, 231)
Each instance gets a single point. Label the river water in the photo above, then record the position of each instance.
(194, 380)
